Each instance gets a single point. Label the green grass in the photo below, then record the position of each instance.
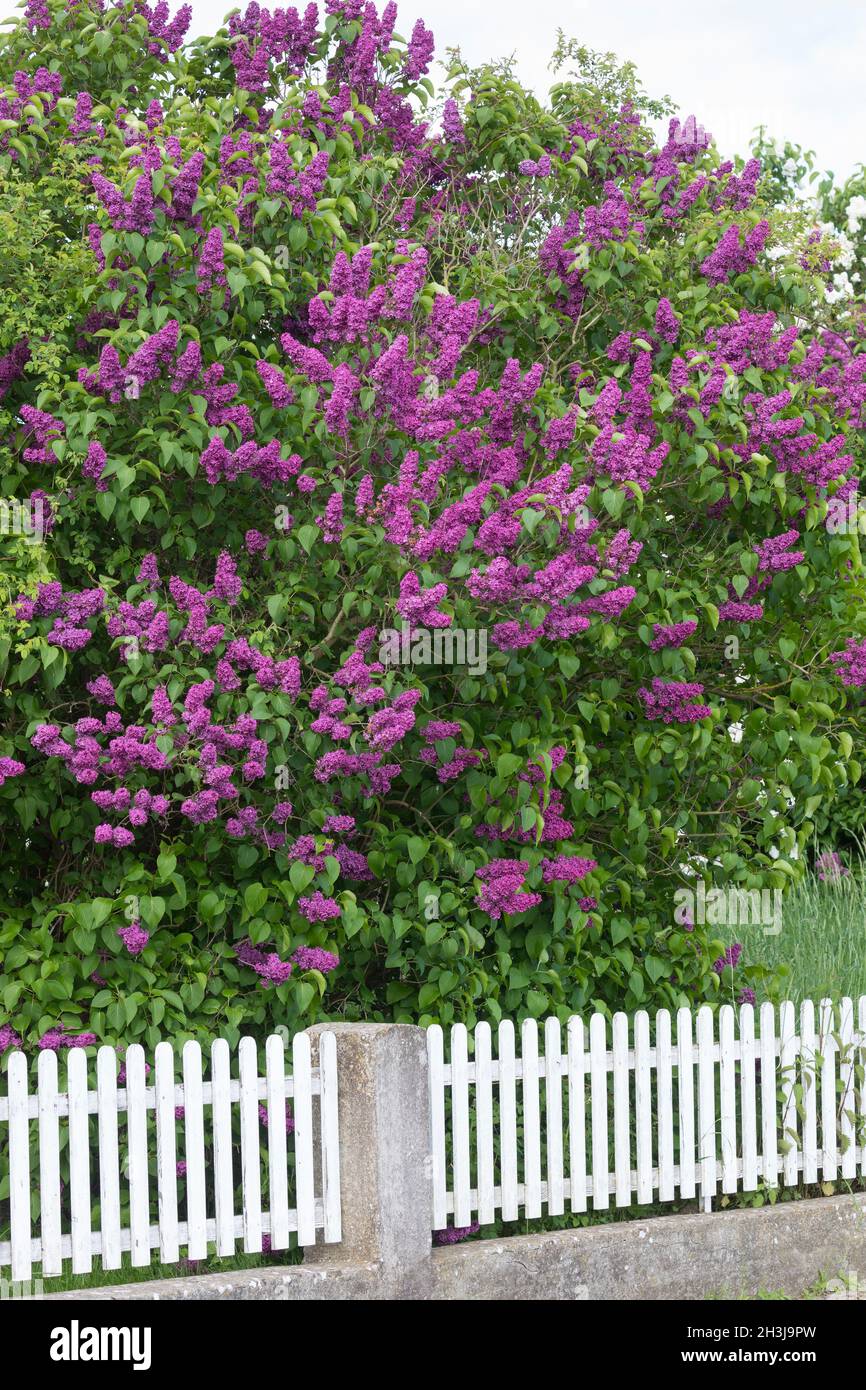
(821, 949)
(129, 1274)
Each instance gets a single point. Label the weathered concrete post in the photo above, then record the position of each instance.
(385, 1174)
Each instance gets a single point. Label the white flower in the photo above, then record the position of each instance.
(840, 289)
(856, 212)
(844, 249)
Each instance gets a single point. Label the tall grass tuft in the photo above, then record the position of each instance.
(821, 949)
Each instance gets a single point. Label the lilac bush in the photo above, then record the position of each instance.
(342, 353)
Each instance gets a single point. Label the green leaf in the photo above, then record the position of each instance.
(301, 876)
(165, 865)
(255, 897)
(508, 763)
(303, 995)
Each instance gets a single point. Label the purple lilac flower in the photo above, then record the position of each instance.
(134, 938)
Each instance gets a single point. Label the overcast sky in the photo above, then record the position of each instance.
(795, 66)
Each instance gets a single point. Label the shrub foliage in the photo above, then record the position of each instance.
(299, 349)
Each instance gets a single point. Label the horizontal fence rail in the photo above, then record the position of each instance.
(194, 1165)
(630, 1112)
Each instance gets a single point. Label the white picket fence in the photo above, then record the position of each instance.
(138, 1121)
(636, 1113)
(631, 1111)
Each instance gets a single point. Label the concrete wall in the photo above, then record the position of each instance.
(729, 1254)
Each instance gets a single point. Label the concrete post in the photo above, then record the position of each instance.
(385, 1173)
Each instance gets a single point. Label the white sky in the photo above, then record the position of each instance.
(795, 66)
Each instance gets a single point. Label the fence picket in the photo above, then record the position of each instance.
(576, 1115)
(531, 1117)
(788, 1075)
(769, 1147)
(330, 1117)
(79, 1160)
(303, 1095)
(436, 1071)
(728, 1098)
(748, 1098)
(621, 1112)
(706, 1104)
(251, 1177)
(166, 1153)
(665, 1092)
(109, 1157)
(847, 1128)
(861, 1100)
(643, 1107)
(508, 1121)
(460, 1124)
(278, 1171)
(553, 1116)
(809, 1084)
(599, 1109)
(194, 1154)
(221, 1127)
(139, 1184)
(484, 1123)
(829, 1143)
(19, 1166)
(686, 1100)
(49, 1163)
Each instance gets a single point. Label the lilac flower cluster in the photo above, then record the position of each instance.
(10, 767)
(502, 891)
(8, 1038)
(44, 430)
(290, 1129)
(774, 554)
(672, 634)
(134, 938)
(732, 256)
(730, 958)
(69, 611)
(567, 868)
(452, 1235)
(315, 958)
(13, 102)
(318, 908)
(56, 1039)
(300, 188)
(671, 702)
(268, 966)
(830, 867)
(850, 664)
